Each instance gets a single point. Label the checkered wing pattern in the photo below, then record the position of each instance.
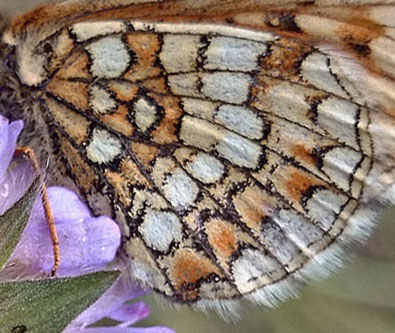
(241, 145)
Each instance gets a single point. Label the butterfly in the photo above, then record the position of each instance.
(242, 146)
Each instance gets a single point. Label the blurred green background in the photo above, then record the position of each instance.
(358, 299)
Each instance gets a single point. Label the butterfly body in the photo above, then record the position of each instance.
(239, 145)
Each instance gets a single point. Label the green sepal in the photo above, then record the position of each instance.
(13, 222)
(49, 305)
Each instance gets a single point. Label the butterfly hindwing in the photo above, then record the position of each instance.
(238, 147)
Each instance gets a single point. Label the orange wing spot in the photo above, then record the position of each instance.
(284, 59)
(62, 49)
(83, 174)
(222, 238)
(359, 29)
(121, 187)
(298, 183)
(253, 205)
(254, 19)
(166, 132)
(125, 178)
(303, 153)
(187, 269)
(75, 93)
(157, 85)
(75, 125)
(145, 47)
(75, 67)
(118, 121)
(279, 20)
(314, 99)
(144, 153)
(357, 33)
(124, 91)
(132, 173)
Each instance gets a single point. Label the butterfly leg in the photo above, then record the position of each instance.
(29, 153)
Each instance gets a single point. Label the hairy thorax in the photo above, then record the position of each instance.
(20, 101)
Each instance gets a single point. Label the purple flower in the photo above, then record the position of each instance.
(86, 243)
(112, 305)
(9, 192)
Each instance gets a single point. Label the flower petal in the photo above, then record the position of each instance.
(129, 314)
(8, 137)
(116, 329)
(16, 180)
(66, 205)
(9, 179)
(121, 291)
(103, 240)
(86, 244)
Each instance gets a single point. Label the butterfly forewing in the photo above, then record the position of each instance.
(237, 148)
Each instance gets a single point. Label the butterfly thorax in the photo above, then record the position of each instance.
(10, 92)
(19, 101)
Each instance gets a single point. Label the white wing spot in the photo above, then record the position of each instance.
(199, 133)
(219, 86)
(226, 53)
(205, 29)
(159, 229)
(316, 71)
(88, 30)
(180, 189)
(199, 108)
(240, 120)
(104, 147)
(145, 114)
(184, 84)
(239, 150)
(101, 100)
(324, 206)
(110, 58)
(226, 87)
(250, 266)
(338, 117)
(302, 231)
(179, 53)
(339, 163)
(206, 168)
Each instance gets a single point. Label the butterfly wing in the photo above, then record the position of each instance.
(240, 145)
